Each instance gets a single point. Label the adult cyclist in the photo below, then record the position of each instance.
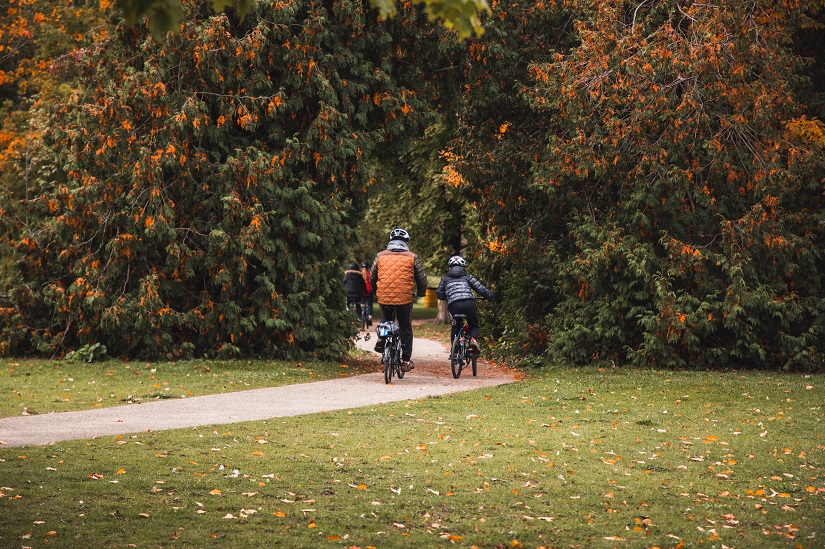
(397, 276)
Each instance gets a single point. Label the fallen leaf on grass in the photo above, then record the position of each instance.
(215, 492)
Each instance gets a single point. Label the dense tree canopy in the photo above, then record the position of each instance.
(665, 184)
(211, 181)
(162, 17)
(33, 34)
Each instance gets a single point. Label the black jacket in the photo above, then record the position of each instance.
(354, 283)
(457, 284)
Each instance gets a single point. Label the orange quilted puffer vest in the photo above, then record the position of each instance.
(396, 277)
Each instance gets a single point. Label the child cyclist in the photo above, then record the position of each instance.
(456, 287)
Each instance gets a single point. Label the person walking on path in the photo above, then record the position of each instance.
(355, 287)
(456, 287)
(365, 273)
(397, 276)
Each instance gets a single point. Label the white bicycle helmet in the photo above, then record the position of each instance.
(400, 234)
(457, 261)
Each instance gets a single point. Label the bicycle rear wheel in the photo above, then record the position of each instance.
(475, 359)
(456, 358)
(398, 370)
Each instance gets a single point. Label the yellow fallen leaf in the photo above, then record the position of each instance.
(362, 486)
(120, 471)
(256, 453)
(215, 492)
(312, 525)
(278, 514)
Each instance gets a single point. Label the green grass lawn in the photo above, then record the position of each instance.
(580, 458)
(42, 386)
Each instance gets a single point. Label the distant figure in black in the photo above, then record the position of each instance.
(355, 287)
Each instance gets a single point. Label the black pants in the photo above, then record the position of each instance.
(403, 315)
(465, 307)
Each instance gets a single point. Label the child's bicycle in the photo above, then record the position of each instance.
(461, 355)
(391, 357)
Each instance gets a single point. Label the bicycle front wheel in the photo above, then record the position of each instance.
(387, 360)
(475, 368)
(456, 359)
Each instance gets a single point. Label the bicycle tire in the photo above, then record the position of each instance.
(475, 366)
(387, 360)
(399, 371)
(456, 358)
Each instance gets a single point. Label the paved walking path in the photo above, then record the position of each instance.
(431, 377)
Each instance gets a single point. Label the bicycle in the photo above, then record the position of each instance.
(355, 306)
(461, 355)
(391, 357)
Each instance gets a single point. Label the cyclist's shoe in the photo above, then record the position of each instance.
(474, 345)
(369, 322)
(379, 345)
(407, 365)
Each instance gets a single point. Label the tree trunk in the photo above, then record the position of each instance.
(443, 316)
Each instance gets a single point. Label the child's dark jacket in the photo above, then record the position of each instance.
(458, 284)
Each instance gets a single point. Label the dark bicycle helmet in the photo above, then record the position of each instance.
(457, 261)
(399, 234)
